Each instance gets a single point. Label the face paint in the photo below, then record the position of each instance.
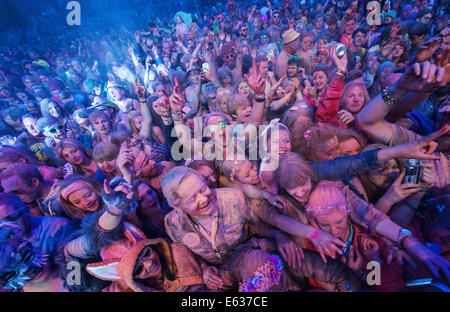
(284, 139)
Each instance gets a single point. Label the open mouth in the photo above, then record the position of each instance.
(205, 205)
(92, 206)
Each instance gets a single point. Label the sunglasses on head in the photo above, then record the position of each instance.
(54, 129)
(221, 124)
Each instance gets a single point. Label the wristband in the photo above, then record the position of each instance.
(260, 100)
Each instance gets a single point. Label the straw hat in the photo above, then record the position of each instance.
(290, 35)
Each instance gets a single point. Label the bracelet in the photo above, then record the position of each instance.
(260, 100)
(388, 96)
(112, 213)
(144, 102)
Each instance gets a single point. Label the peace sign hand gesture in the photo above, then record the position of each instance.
(255, 80)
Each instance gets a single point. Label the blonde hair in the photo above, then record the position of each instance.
(131, 124)
(68, 142)
(234, 102)
(348, 86)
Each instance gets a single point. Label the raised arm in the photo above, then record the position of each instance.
(258, 84)
(140, 91)
(420, 77)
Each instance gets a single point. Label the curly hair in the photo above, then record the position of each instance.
(306, 137)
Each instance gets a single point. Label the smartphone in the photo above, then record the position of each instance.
(270, 54)
(205, 67)
(413, 171)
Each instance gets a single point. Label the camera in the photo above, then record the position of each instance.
(413, 171)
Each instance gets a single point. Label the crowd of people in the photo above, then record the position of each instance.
(353, 170)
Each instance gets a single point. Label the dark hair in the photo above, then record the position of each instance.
(11, 200)
(25, 172)
(15, 113)
(359, 30)
(321, 67)
(417, 29)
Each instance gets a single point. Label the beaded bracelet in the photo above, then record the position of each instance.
(388, 96)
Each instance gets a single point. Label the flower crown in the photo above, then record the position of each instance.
(267, 276)
(324, 210)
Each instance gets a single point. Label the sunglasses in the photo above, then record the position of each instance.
(55, 129)
(276, 16)
(221, 124)
(229, 56)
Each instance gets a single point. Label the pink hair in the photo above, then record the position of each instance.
(324, 198)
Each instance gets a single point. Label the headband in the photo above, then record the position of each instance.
(72, 188)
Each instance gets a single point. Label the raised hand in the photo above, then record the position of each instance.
(395, 28)
(118, 196)
(421, 148)
(341, 63)
(427, 49)
(255, 80)
(176, 100)
(398, 191)
(423, 77)
(140, 91)
(125, 160)
(443, 60)
(291, 23)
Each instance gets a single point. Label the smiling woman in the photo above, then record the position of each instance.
(80, 196)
